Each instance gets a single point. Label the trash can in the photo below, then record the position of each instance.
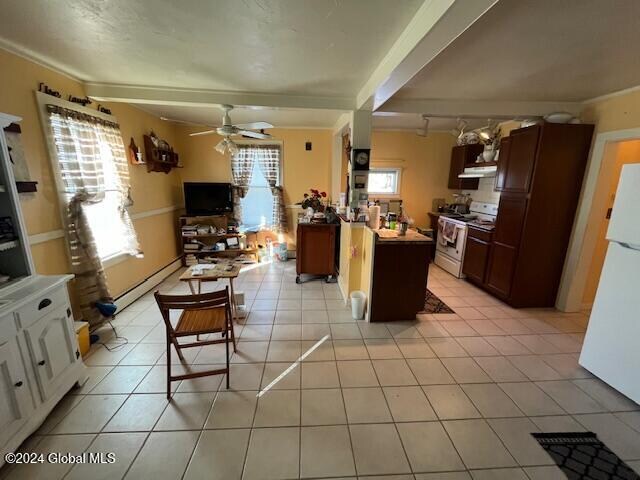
(358, 300)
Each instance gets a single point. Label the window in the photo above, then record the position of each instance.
(257, 206)
(384, 181)
(256, 168)
(91, 167)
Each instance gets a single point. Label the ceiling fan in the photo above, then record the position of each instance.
(228, 130)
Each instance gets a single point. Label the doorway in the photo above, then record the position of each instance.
(615, 156)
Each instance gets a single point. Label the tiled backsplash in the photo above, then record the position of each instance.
(485, 192)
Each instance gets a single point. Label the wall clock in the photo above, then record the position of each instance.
(360, 158)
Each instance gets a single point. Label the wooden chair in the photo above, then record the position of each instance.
(202, 314)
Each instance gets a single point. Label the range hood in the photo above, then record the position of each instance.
(479, 172)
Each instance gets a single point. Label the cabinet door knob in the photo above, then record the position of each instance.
(41, 362)
(18, 384)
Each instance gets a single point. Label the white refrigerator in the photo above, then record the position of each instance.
(611, 349)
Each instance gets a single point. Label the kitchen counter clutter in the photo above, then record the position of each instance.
(392, 236)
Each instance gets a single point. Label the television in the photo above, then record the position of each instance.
(207, 198)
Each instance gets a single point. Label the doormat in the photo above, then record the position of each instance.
(581, 456)
(432, 304)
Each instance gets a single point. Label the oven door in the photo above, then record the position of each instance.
(455, 251)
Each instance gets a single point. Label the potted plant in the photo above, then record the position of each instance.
(314, 201)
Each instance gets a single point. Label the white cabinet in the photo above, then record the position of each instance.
(39, 357)
(15, 398)
(53, 349)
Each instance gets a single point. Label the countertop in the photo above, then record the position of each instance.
(391, 236)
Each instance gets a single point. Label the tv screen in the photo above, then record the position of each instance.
(207, 198)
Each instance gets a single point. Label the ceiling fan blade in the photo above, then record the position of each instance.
(253, 126)
(206, 132)
(252, 134)
(186, 122)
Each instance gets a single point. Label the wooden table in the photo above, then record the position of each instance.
(213, 275)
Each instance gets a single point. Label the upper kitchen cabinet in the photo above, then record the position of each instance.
(540, 174)
(461, 156)
(517, 158)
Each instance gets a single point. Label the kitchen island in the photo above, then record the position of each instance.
(390, 269)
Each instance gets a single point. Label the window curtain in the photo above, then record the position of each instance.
(268, 157)
(241, 171)
(91, 160)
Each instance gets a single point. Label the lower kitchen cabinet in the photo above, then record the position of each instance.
(39, 356)
(317, 245)
(500, 269)
(53, 349)
(476, 258)
(16, 404)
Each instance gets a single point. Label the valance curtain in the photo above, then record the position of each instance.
(91, 160)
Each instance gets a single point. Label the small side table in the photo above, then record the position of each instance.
(213, 275)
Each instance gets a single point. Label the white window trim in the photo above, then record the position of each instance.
(43, 100)
(397, 193)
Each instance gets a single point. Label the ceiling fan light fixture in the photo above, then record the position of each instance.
(233, 148)
(226, 145)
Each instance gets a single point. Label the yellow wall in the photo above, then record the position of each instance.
(620, 154)
(302, 169)
(425, 166)
(614, 113)
(618, 112)
(18, 83)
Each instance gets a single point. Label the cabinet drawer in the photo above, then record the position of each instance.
(41, 306)
(479, 234)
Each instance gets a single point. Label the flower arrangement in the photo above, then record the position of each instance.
(314, 200)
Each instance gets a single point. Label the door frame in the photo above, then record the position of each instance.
(582, 243)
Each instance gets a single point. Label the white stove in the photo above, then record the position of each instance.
(450, 255)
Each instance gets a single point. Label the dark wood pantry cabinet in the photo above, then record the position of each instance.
(540, 173)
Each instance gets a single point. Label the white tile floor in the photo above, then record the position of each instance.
(448, 396)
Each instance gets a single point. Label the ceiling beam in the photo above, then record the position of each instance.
(478, 108)
(435, 25)
(105, 92)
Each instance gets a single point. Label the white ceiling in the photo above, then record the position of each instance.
(297, 118)
(539, 50)
(413, 121)
(324, 47)
(279, 117)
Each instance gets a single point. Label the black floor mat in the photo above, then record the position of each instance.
(581, 456)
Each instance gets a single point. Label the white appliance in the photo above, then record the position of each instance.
(611, 348)
(450, 256)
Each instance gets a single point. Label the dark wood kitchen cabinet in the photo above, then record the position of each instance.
(540, 176)
(476, 254)
(461, 156)
(316, 249)
(516, 163)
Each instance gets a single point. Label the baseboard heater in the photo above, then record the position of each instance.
(134, 293)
